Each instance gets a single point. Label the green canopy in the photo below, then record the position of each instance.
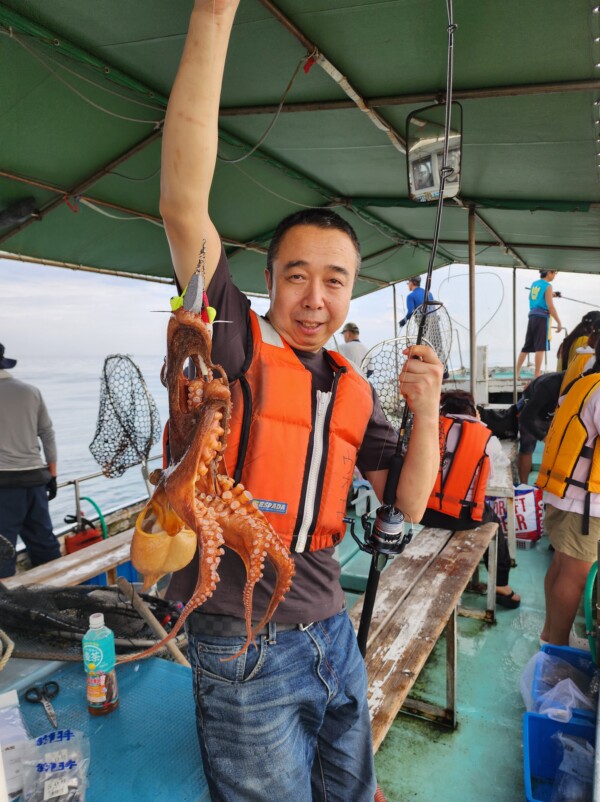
(84, 88)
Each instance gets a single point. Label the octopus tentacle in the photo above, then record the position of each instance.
(192, 496)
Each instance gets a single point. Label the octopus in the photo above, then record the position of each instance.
(195, 504)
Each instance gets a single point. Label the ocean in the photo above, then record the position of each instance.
(71, 391)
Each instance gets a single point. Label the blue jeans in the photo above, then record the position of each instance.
(24, 512)
(287, 720)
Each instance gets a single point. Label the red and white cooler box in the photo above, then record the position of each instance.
(529, 513)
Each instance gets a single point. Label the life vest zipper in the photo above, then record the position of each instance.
(316, 460)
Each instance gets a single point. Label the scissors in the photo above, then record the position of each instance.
(42, 694)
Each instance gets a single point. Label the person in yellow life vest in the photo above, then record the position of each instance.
(468, 452)
(583, 357)
(570, 478)
(288, 717)
(578, 338)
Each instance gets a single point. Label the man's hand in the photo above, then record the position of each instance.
(51, 488)
(421, 381)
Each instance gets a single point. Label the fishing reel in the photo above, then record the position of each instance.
(385, 536)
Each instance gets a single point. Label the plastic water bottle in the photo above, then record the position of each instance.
(99, 660)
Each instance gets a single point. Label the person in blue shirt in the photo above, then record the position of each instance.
(541, 309)
(414, 299)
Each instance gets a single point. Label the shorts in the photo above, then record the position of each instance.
(564, 530)
(536, 338)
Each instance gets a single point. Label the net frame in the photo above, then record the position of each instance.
(126, 428)
(382, 365)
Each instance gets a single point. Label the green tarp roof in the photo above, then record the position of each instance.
(84, 88)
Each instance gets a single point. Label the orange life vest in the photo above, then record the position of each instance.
(298, 473)
(467, 465)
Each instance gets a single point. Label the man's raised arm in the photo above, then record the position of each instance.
(190, 139)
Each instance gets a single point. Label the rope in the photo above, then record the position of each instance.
(9, 647)
(79, 94)
(118, 217)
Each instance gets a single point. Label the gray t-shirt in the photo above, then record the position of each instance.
(316, 592)
(24, 422)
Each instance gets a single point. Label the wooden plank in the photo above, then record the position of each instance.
(400, 576)
(400, 652)
(72, 569)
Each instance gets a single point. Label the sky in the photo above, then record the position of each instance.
(51, 311)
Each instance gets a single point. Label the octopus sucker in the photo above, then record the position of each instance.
(194, 506)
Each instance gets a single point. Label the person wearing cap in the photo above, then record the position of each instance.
(414, 299)
(27, 482)
(541, 309)
(352, 348)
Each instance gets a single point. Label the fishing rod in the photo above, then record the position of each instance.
(385, 537)
(575, 300)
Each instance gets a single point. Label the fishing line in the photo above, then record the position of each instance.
(463, 275)
(386, 536)
(302, 61)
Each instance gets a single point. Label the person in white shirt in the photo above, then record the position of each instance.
(352, 348)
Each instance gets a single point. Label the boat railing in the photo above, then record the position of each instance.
(77, 482)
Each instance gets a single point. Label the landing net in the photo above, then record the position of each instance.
(382, 366)
(437, 329)
(128, 420)
(47, 623)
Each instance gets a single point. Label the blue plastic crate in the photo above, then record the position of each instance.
(579, 659)
(543, 755)
(125, 569)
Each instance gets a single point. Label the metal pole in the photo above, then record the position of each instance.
(472, 331)
(78, 504)
(395, 334)
(514, 294)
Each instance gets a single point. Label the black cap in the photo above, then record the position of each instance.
(5, 363)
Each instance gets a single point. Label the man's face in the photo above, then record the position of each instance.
(311, 286)
(411, 285)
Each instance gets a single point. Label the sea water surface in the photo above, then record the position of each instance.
(71, 391)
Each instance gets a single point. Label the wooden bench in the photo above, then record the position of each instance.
(75, 568)
(418, 597)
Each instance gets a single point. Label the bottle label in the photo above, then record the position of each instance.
(96, 658)
(101, 689)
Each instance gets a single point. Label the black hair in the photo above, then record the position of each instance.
(588, 323)
(457, 402)
(415, 280)
(319, 217)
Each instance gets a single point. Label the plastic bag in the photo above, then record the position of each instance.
(55, 767)
(528, 512)
(574, 778)
(13, 740)
(553, 687)
(559, 702)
